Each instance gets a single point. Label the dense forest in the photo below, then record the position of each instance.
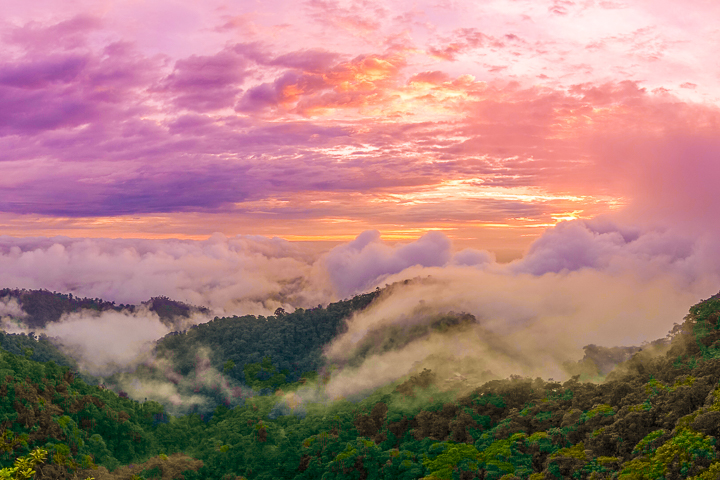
(293, 341)
(656, 415)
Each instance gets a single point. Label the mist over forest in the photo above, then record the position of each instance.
(581, 283)
(371, 360)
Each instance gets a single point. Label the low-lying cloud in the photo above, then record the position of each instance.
(356, 265)
(527, 325)
(9, 307)
(238, 275)
(108, 342)
(11, 315)
(582, 282)
(199, 391)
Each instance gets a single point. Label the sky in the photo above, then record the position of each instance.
(552, 164)
(317, 120)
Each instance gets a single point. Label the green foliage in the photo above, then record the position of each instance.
(655, 418)
(263, 375)
(23, 467)
(385, 338)
(454, 457)
(682, 451)
(294, 342)
(228, 366)
(706, 327)
(645, 446)
(712, 473)
(39, 349)
(599, 410)
(576, 451)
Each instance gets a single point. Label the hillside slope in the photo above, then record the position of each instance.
(656, 416)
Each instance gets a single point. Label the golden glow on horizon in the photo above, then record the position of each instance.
(337, 220)
(474, 188)
(567, 216)
(412, 234)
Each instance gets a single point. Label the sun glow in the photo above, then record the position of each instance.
(476, 189)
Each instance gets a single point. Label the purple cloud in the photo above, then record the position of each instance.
(286, 89)
(33, 111)
(472, 257)
(210, 82)
(601, 245)
(68, 34)
(38, 74)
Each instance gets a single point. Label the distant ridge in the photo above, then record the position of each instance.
(42, 307)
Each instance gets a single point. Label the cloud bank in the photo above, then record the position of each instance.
(236, 275)
(582, 282)
(357, 265)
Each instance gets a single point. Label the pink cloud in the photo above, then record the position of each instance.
(561, 7)
(67, 34)
(347, 84)
(464, 40)
(508, 136)
(237, 274)
(360, 17)
(310, 60)
(495, 122)
(435, 77)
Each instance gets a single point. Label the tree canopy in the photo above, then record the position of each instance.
(656, 416)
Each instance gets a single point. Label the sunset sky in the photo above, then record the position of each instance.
(317, 120)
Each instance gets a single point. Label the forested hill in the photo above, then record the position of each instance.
(40, 307)
(656, 416)
(263, 352)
